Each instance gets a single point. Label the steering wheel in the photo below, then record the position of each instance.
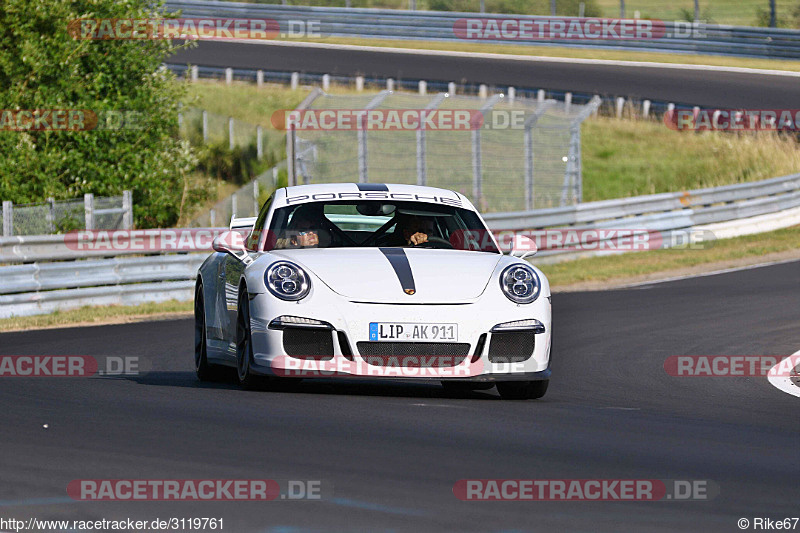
(435, 242)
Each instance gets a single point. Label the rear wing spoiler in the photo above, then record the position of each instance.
(244, 223)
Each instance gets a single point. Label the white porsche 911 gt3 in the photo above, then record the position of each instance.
(376, 281)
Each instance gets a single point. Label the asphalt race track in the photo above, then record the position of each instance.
(696, 87)
(392, 452)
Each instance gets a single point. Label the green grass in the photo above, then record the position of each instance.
(578, 53)
(97, 315)
(635, 157)
(619, 267)
(620, 157)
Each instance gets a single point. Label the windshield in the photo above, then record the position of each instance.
(377, 223)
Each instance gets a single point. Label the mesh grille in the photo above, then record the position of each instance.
(423, 354)
(308, 343)
(511, 347)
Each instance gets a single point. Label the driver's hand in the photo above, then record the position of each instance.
(309, 239)
(418, 238)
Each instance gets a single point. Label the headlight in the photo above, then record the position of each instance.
(287, 281)
(520, 284)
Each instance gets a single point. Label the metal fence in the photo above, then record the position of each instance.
(42, 286)
(439, 26)
(741, 12)
(62, 216)
(527, 145)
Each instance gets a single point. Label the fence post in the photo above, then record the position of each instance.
(259, 143)
(233, 205)
(483, 91)
(212, 218)
(422, 158)
(295, 80)
(291, 162)
(88, 210)
(127, 205)
(228, 75)
(620, 106)
(255, 197)
(51, 214)
(540, 96)
(231, 143)
(646, 108)
(390, 84)
(359, 83)
(205, 127)
(326, 82)
(567, 102)
(423, 87)
(260, 78)
(451, 88)
(512, 95)
(8, 218)
(477, 162)
(195, 73)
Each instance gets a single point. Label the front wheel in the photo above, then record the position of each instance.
(244, 345)
(522, 390)
(204, 370)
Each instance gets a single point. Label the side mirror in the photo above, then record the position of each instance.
(232, 242)
(523, 247)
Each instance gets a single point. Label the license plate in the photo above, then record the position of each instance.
(412, 331)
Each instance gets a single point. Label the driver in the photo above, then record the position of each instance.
(414, 229)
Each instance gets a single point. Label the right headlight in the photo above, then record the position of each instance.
(287, 281)
(520, 284)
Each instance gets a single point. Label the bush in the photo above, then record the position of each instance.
(43, 67)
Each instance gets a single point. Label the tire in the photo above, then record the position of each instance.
(244, 345)
(204, 370)
(522, 390)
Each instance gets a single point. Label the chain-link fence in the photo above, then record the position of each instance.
(520, 154)
(245, 202)
(63, 216)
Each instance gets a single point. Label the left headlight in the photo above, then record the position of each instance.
(520, 284)
(287, 281)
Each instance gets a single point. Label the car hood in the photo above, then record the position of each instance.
(377, 275)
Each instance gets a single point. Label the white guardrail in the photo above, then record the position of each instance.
(40, 274)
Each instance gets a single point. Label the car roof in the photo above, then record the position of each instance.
(319, 192)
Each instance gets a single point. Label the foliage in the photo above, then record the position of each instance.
(43, 67)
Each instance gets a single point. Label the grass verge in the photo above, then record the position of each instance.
(86, 316)
(567, 52)
(628, 267)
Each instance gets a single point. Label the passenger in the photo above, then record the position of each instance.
(306, 229)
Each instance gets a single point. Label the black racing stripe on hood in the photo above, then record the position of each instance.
(372, 187)
(399, 261)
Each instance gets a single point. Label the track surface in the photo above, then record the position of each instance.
(697, 87)
(393, 451)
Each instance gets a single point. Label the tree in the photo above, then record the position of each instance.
(43, 67)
